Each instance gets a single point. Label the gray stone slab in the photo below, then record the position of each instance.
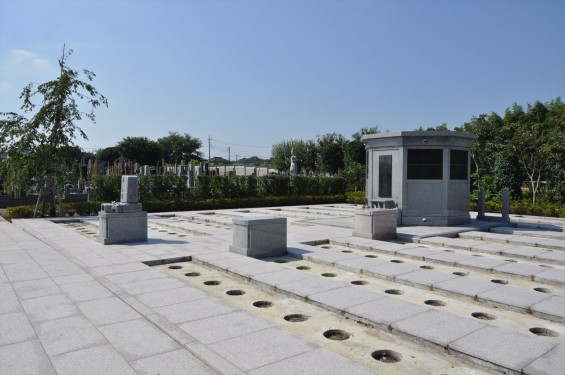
(551, 243)
(389, 270)
(434, 241)
(85, 291)
(552, 308)
(331, 258)
(523, 240)
(463, 243)
(49, 307)
(136, 339)
(520, 269)
(213, 359)
(492, 248)
(523, 252)
(447, 257)
(276, 278)
(10, 302)
(261, 348)
(389, 247)
(24, 271)
(424, 277)
(107, 311)
(343, 298)
(223, 327)
(309, 286)
(194, 310)
(130, 277)
(419, 253)
(551, 363)
(171, 296)
(553, 276)
(67, 334)
(25, 358)
(437, 327)
(121, 268)
(317, 361)
(513, 297)
(152, 285)
(359, 264)
(255, 269)
(97, 360)
(386, 311)
(61, 269)
(70, 279)
(14, 328)
(494, 237)
(466, 286)
(502, 348)
(552, 256)
(175, 362)
(35, 288)
(482, 263)
(472, 235)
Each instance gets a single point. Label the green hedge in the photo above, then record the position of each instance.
(70, 209)
(523, 207)
(356, 197)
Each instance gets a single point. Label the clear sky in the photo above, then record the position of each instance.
(253, 73)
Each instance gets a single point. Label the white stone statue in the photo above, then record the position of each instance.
(293, 164)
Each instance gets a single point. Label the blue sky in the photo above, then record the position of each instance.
(253, 73)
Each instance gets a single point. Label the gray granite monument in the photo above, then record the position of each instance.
(293, 164)
(259, 236)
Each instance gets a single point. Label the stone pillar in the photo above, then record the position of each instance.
(481, 204)
(506, 205)
(376, 224)
(259, 236)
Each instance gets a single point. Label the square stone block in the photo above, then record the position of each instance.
(130, 190)
(376, 224)
(259, 236)
(122, 227)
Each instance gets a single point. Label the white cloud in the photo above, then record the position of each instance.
(27, 58)
(4, 86)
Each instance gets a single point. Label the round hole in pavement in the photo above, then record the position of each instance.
(171, 232)
(326, 247)
(162, 230)
(483, 316)
(263, 304)
(303, 268)
(394, 291)
(175, 267)
(212, 282)
(181, 235)
(543, 290)
(387, 356)
(192, 274)
(498, 281)
(359, 282)
(397, 261)
(329, 274)
(448, 251)
(435, 302)
(346, 251)
(336, 334)
(427, 267)
(295, 318)
(478, 255)
(459, 273)
(235, 292)
(371, 256)
(281, 261)
(511, 260)
(543, 332)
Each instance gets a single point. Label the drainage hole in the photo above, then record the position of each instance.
(427, 267)
(543, 290)
(303, 268)
(175, 267)
(435, 302)
(281, 261)
(262, 304)
(346, 251)
(543, 332)
(235, 292)
(497, 281)
(478, 255)
(359, 282)
(461, 273)
(329, 274)
(192, 274)
(387, 356)
(181, 235)
(336, 334)
(397, 261)
(483, 316)
(294, 318)
(448, 251)
(394, 291)
(326, 247)
(212, 282)
(371, 256)
(171, 233)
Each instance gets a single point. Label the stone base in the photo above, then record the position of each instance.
(435, 221)
(376, 224)
(259, 236)
(122, 227)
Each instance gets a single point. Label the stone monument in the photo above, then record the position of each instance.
(293, 164)
(259, 236)
(123, 221)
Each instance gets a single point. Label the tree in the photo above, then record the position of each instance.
(331, 152)
(305, 152)
(108, 155)
(140, 149)
(176, 147)
(35, 147)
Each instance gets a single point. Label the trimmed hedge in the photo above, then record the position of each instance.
(356, 197)
(523, 207)
(70, 209)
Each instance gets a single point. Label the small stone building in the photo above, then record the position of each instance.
(425, 174)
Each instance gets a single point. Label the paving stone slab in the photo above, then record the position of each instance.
(463, 243)
(274, 279)
(24, 271)
(389, 270)
(136, 339)
(120, 268)
(107, 311)
(520, 269)
(171, 296)
(523, 252)
(424, 277)
(61, 268)
(194, 310)
(14, 328)
(552, 256)
(437, 327)
(466, 286)
(448, 257)
(494, 237)
(502, 348)
(224, 327)
(175, 362)
(551, 243)
(359, 264)
(314, 362)
(254, 269)
(97, 360)
(306, 287)
(472, 235)
(513, 297)
(386, 311)
(552, 308)
(482, 263)
(419, 253)
(85, 291)
(25, 358)
(35, 288)
(434, 241)
(67, 334)
(553, 276)
(10, 302)
(492, 248)
(331, 258)
(261, 348)
(49, 307)
(213, 359)
(153, 285)
(130, 277)
(343, 298)
(551, 363)
(523, 240)
(391, 248)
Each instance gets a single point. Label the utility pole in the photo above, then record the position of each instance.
(209, 139)
(229, 155)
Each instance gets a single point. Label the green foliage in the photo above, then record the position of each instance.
(106, 188)
(108, 155)
(356, 197)
(331, 153)
(140, 149)
(274, 185)
(176, 147)
(305, 151)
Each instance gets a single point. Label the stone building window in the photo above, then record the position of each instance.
(425, 164)
(385, 176)
(458, 167)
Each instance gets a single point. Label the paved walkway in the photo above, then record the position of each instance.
(71, 305)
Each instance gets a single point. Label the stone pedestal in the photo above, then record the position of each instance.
(259, 236)
(122, 227)
(376, 224)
